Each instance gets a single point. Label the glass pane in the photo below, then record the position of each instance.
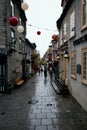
(84, 12)
(85, 65)
(73, 65)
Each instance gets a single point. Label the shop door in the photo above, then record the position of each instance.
(2, 74)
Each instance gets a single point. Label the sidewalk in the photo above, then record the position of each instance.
(36, 106)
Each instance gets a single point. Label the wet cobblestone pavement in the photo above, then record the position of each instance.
(36, 106)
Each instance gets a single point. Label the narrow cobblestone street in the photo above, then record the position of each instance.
(36, 106)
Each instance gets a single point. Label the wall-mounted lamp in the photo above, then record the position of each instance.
(66, 55)
(58, 56)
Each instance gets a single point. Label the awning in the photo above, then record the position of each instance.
(3, 51)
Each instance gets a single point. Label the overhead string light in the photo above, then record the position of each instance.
(41, 28)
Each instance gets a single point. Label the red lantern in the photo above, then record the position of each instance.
(13, 21)
(54, 37)
(38, 32)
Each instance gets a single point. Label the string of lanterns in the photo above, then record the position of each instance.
(38, 32)
(14, 22)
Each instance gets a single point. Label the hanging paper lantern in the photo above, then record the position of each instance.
(13, 21)
(54, 37)
(24, 6)
(38, 32)
(20, 29)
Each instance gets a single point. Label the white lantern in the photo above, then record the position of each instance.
(20, 29)
(24, 6)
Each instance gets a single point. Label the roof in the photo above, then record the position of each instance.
(3, 51)
(32, 45)
(68, 5)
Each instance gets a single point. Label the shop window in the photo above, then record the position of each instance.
(73, 64)
(84, 65)
(83, 14)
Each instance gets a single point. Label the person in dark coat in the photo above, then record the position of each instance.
(56, 71)
(45, 72)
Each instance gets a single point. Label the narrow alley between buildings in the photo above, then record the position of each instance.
(36, 106)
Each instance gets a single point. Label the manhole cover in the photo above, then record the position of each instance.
(2, 113)
(32, 102)
(49, 104)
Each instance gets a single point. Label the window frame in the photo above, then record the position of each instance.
(61, 36)
(13, 39)
(82, 79)
(12, 12)
(85, 25)
(72, 26)
(65, 32)
(73, 53)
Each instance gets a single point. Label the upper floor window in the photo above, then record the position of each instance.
(83, 13)
(61, 38)
(12, 8)
(84, 65)
(20, 45)
(65, 32)
(13, 39)
(72, 24)
(73, 64)
(20, 21)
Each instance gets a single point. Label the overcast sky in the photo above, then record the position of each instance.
(42, 16)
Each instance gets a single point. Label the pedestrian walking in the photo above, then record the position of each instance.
(45, 73)
(51, 72)
(56, 71)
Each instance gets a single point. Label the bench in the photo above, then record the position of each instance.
(19, 81)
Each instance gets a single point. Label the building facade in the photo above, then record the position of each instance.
(72, 26)
(12, 44)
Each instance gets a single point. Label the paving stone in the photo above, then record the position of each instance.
(46, 110)
(31, 116)
(36, 110)
(34, 122)
(64, 113)
(53, 127)
(41, 115)
(51, 115)
(46, 121)
(40, 128)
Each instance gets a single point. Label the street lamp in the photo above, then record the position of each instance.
(66, 55)
(58, 56)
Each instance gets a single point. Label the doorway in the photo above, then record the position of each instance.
(3, 73)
